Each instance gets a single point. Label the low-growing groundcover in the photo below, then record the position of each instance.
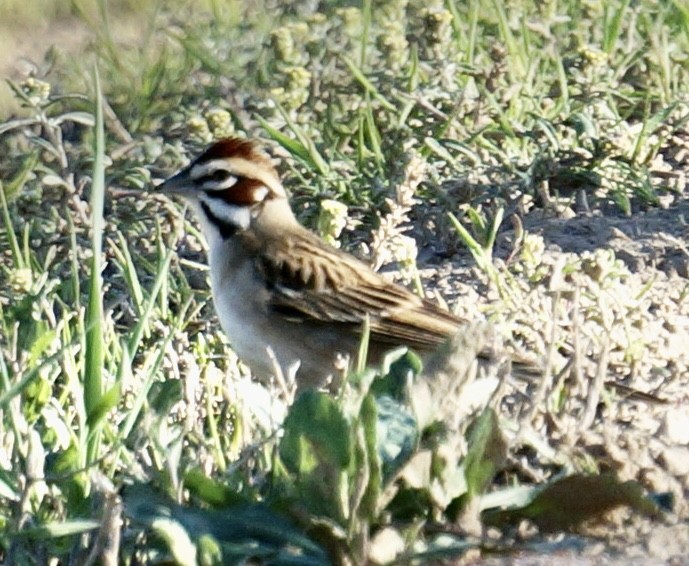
(524, 163)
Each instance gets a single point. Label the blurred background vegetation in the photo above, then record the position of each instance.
(29, 29)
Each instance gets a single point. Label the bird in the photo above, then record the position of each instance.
(282, 294)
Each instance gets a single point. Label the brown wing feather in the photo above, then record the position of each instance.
(312, 282)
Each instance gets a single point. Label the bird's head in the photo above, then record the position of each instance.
(229, 186)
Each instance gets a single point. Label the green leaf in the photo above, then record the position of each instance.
(95, 356)
(8, 486)
(242, 532)
(397, 435)
(209, 490)
(210, 551)
(317, 449)
(107, 401)
(10, 392)
(369, 421)
(316, 432)
(436, 147)
(398, 376)
(569, 501)
(368, 85)
(15, 185)
(178, 540)
(9, 229)
(42, 343)
(83, 118)
(583, 125)
(304, 151)
(487, 452)
(58, 529)
(36, 395)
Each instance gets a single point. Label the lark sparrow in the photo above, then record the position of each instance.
(278, 286)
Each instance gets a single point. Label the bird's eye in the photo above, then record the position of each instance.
(218, 176)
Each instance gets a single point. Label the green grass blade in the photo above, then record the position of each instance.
(14, 186)
(368, 85)
(11, 236)
(145, 314)
(95, 355)
(612, 25)
(11, 391)
(58, 529)
(124, 256)
(366, 24)
(150, 371)
(516, 69)
(305, 151)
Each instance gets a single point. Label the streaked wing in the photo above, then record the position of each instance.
(313, 282)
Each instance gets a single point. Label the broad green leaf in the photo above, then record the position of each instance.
(317, 449)
(397, 435)
(567, 502)
(316, 433)
(209, 490)
(486, 454)
(242, 532)
(399, 375)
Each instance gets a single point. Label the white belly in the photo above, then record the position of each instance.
(239, 299)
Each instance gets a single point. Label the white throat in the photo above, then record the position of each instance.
(219, 219)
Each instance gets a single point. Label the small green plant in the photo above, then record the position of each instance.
(481, 243)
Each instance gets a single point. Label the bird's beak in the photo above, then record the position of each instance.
(179, 184)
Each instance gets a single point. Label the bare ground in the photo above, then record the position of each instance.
(632, 316)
